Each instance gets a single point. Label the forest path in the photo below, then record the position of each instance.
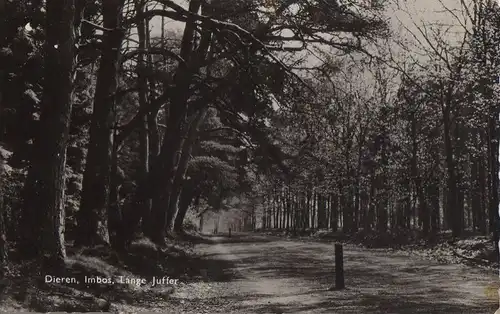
(275, 275)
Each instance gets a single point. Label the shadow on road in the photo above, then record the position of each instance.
(376, 282)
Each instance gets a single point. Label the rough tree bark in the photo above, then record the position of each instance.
(381, 187)
(114, 212)
(186, 131)
(159, 182)
(142, 83)
(417, 180)
(185, 200)
(92, 216)
(452, 188)
(182, 168)
(493, 131)
(43, 214)
(322, 223)
(3, 235)
(334, 216)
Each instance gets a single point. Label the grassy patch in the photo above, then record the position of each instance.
(25, 289)
(470, 249)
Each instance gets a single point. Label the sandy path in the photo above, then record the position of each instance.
(273, 275)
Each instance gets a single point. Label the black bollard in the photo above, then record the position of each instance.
(339, 267)
(229, 232)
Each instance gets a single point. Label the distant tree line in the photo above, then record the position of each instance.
(412, 147)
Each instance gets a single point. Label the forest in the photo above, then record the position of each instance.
(285, 115)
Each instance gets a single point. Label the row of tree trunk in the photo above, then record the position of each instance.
(156, 199)
(425, 207)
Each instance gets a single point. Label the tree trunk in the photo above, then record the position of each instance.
(322, 223)
(342, 205)
(334, 218)
(356, 211)
(182, 167)
(154, 133)
(3, 235)
(288, 208)
(382, 194)
(307, 213)
(363, 208)
(92, 216)
(159, 182)
(357, 187)
(202, 222)
(483, 197)
(43, 215)
(347, 213)
(142, 84)
(185, 200)
(433, 192)
(372, 200)
(313, 209)
(493, 161)
(283, 206)
(295, 211)
(453, 215)
(475, 195)
(434, 195)
(115, 218)
(279, 216)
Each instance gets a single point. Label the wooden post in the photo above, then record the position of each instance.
(339, 267)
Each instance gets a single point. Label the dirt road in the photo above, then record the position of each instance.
(272, 275)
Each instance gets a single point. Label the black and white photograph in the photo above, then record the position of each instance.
(250, 156)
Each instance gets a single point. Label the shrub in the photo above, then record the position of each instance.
(11, 183)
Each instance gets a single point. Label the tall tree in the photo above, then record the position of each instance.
(43, 213)
(92, 216)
